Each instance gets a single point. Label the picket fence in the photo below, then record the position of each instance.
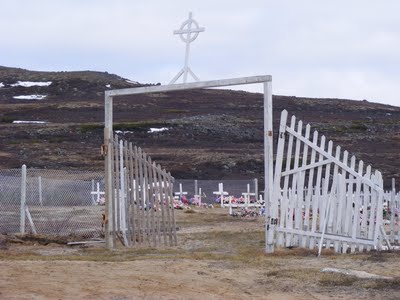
(392, 214)
(142, 200)
(325, 198)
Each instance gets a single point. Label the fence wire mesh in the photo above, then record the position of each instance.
(57, 202)
(61, 203)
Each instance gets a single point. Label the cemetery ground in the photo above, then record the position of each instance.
(217, 257)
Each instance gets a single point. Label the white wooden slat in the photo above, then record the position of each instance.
(127, 195)
(173, 221)
(338, 212)
(278, 173)
(299, 206)
(349, 203)
(117, 185)
(308, 208)
(138, 196)
(367, 193)
(356, 217)
(317, 199)
(169, 202)
(333, 210)
(378, 223)
(325, 194)
(133, 211)
(372, 213)
(295, 179)
(302, 206)
(326, 212)
(341, 213)
(289, 217)
(142, 186)
(164, 205)
(157, 196)
(151, 201)
(286, 199)
(392, 210)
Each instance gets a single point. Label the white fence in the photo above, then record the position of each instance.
(343, 203)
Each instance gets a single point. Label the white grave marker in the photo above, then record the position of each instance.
(181, 192)
(221, 193)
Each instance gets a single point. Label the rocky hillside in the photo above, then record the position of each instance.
(206, 134)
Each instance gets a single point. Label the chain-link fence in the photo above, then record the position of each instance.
(59, 202)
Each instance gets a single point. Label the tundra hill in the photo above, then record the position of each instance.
(212, 134)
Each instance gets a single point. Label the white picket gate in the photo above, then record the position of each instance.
(322, 197)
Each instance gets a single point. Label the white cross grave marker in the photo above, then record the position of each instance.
(98, 194)
(181, 192)
(247, 196)
(188, 34)
(221, 193)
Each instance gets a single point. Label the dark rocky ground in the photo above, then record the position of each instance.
(213, 134)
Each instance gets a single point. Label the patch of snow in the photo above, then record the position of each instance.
(108, 85)
(30, 97)
(157, 129)
(32, 83)
(388, 114)
(130, 81)
(29, 122)
(122, 132)
(1, 85)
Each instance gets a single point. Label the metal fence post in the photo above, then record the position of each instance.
(40, 191)
(23, 199)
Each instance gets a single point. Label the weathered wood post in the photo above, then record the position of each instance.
(392, 209)
(23, 199)
(107, 146)
(270, 204)
(256, 189)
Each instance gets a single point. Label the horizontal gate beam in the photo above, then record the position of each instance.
(188, 86)
(327, 236)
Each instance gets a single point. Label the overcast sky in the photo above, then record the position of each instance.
(313, 48)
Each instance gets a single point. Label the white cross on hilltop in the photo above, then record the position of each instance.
(185, 33)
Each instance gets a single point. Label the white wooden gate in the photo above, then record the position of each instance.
(142, 200)
(322, 196)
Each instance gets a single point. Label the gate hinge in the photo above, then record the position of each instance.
(104, 150)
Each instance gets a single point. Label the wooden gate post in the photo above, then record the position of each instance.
(270, 217)
(108, 145)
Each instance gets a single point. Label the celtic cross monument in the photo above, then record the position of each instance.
(188, 33)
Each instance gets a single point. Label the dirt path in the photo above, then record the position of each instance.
(218, 257)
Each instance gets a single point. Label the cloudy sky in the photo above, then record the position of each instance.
(313, 48)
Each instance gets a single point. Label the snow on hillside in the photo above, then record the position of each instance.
(30, 97)
(31, 83)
